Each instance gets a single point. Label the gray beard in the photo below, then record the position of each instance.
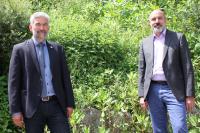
(35, 34)
(158, 30)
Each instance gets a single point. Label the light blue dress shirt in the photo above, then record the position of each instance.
(48, 74)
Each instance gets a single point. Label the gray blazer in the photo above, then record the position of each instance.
(25, 82)
(177, 65)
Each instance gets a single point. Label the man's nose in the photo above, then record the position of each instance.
(41, 27)
(157, 20)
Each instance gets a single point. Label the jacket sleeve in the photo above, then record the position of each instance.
(141, 71)
(67, 80)
(187, 66)
(14, 81)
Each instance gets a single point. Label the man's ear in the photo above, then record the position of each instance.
(30, 27)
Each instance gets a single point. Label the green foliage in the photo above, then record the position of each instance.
(6, 125)
(89, 46)
(101, 39)
(13, 27)
(194, 123)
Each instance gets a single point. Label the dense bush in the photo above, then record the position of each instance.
(101, 39)
(6, 125)
(13, 27)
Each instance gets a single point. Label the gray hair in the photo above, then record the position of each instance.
(158, 10)
(37, 15)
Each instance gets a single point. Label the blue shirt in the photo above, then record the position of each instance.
(48, 74)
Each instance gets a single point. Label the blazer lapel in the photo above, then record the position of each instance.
(33, 54)
(166, 44)
(151, 49)
(52, 55)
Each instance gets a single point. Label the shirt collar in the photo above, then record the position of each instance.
(36, 43)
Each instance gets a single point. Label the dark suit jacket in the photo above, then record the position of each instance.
(177, 65)
(25, 81)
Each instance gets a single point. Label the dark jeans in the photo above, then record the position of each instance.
(50, 114)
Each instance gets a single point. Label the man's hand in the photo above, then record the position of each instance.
(190, 103)
(18, 120)
(69, 111)
(143, 103)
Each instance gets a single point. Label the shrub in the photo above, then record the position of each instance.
(6, 125)
(13, 27)
(101, 39)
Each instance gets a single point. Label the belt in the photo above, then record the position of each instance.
(48, 98)
(159, 82)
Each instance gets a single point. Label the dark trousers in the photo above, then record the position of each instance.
(50, 114)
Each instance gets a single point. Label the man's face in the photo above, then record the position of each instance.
(157, 21)
(39, 28)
